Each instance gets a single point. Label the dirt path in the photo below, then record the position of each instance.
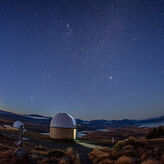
(90, 146)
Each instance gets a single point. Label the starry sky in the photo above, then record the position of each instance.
(94, 59)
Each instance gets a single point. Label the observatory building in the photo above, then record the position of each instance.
(63, 126)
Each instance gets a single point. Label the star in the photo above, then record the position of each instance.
(67, 25)
(110, 77)
(32, 98)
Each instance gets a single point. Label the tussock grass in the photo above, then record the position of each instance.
(150, 161)
(131, 151)
(124, 160)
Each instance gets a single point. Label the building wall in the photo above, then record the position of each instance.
(62, 133)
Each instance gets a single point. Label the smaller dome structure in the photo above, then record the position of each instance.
(63, 126)
(17, 124)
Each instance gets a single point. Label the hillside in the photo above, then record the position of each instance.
(40, 149)
(31, 123)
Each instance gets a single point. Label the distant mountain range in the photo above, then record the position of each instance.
(120, 123)
(34, 120)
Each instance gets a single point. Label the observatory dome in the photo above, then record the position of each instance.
(17, 124)
(63, 120)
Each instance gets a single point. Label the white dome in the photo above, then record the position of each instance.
(63, 120)
(17, 124)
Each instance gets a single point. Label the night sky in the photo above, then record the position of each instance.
(94, 59)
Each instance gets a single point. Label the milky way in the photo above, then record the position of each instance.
(93, 59)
